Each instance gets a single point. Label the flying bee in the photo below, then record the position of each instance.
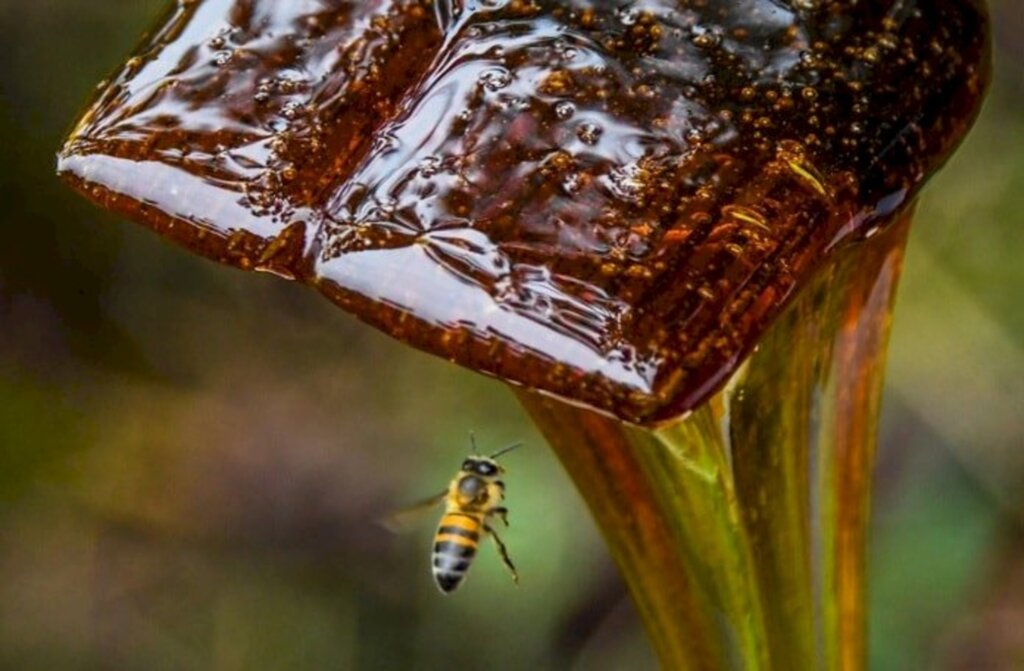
(472, 501)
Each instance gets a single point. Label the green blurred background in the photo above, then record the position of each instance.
(192, 458)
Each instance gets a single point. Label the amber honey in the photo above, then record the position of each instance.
(608, 202)
(642, 208)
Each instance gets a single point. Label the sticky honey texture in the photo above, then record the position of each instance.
(608, 202)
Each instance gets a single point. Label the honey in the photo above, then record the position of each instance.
(607, 202)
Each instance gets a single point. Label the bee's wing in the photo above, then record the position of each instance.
(406, 518)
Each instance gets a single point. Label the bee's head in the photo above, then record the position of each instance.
(483, 466)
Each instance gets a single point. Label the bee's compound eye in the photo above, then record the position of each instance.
(468, 465)
(483, 468)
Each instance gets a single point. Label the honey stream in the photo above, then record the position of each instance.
(613, 203)
(741, 528)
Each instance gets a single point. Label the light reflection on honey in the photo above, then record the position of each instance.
(609, 202)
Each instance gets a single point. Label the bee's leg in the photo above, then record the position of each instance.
(503, 551)
(501, 513)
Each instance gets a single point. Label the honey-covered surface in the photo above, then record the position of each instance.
(605, 201)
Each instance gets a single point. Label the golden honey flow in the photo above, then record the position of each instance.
(686, 216)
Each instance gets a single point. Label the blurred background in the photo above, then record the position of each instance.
(192, 459)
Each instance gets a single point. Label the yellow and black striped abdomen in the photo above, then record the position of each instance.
(454, 548)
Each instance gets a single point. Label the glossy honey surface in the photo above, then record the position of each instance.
(605, 201)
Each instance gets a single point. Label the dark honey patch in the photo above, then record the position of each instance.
(605, 201)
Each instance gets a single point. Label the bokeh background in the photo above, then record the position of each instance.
(192, 459)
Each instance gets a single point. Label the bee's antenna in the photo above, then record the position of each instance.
(472, 441)
(511, 447)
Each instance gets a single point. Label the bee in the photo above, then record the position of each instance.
(472, 501)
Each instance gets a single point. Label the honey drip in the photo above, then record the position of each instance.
(741, 529)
